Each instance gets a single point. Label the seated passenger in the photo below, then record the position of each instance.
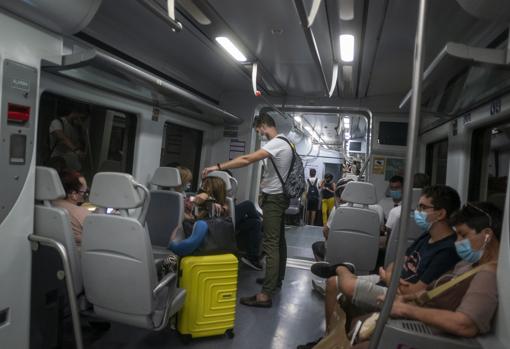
(395, 195)
(430, 256)
(466, 309)
(420, 180)
(76, 190)
(211, 197)
(249, 224)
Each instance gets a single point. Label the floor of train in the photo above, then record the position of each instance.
(296, 317)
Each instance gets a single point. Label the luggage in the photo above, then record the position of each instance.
(211, 288)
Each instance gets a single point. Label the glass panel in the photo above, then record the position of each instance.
(436, 161)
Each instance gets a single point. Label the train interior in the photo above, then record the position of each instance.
(155, 87)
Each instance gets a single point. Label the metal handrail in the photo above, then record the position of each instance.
(412, 135)
(71, 294)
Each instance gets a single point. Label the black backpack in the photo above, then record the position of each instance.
(294, 185)
(313, 191)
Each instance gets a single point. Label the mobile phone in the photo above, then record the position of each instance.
(191, 198)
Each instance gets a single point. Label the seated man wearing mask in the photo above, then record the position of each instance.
(467, 308)
(430, 256)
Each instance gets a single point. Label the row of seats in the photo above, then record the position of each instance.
(114, 277)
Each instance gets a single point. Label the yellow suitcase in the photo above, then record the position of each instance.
(211, 288)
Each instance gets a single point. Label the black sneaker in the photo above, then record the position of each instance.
(326, 270)
(252, 263)
(309, 345)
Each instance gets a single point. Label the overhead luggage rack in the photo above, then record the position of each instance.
(452, 59)
(110, 73)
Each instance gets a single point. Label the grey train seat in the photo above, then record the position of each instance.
(53, 222)
(166, 208)
(228, 186)
(354, 232)
(118, 268)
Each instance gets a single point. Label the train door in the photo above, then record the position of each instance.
(490, 157)
(182, 146)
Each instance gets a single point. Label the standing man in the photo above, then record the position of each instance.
(312, 197)
(66, 139)
(274, 203)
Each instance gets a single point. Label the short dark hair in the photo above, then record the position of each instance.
(313, 172)
(397, 179)
(443, 197)
(420, 180)
(478, 216)
(70, 181)
(263, 119)
(328, 175)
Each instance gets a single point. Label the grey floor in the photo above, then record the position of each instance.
(295, 318)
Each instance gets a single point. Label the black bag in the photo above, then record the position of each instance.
(220, 236)
(294, 185)
(313, 191)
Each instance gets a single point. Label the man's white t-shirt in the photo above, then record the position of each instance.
(281, 154)
(69, 131)
(393, 215)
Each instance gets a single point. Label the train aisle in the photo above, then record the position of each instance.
(296, 315)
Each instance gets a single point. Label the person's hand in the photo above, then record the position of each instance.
(201, 198)
(208, 170)
(218, 209)
(385, 275)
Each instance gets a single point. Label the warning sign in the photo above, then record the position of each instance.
(378, 165)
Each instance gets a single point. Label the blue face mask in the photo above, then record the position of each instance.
(421, 220)
(465, 251)
(396, 194)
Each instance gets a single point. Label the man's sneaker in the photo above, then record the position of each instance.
(319, 286)
(309, 345)
(326, 270)
(252, 263)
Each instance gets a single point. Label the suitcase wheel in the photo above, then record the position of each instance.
(230, 333)
(185, 338)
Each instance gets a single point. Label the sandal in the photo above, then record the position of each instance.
(253, 302)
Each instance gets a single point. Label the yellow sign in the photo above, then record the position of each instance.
(378, 165)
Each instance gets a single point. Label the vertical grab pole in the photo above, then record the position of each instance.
(412, 135)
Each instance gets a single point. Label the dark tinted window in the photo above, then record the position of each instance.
(392, 133)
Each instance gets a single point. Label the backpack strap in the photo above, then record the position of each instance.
(429, 295)
(291, 163)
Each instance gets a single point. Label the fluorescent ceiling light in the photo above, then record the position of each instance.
(347, 136)
(347, 120)
(231, 48)
(347, 47)
(298, 118)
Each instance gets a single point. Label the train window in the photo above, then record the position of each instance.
(436, 161)
(182, 146)
(392, 133)
(490, 159)
(85, 137)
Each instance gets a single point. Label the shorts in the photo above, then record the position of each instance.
(366, 293)
(312, 205)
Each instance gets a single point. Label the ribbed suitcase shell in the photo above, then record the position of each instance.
(211, 287)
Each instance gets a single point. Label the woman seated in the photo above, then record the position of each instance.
(211, 200)
(76, 190)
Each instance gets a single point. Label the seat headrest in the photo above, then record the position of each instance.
(115, 190)
(224, 176)
(166, 177)
(359, 193)
(47, 184)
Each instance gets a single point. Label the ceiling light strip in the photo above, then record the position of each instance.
(232, 49)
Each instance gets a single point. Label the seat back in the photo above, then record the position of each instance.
(294, 206)
(354, 232)
(54, 222)
(228, 186)
(117, 264)
(166, 209)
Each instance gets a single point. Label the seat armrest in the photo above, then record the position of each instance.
(164, 282)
